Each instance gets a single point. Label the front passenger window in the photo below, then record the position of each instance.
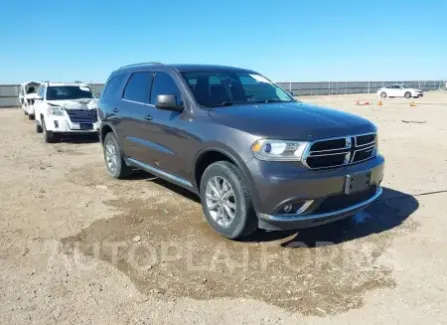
(164, 85)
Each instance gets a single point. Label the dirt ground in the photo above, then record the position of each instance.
(78, 247)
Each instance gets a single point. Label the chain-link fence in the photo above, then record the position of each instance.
(9, 93)
(354, 87)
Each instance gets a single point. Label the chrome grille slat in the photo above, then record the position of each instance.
(366, 144)
(329, 154)
(353, 149)
(82, 116)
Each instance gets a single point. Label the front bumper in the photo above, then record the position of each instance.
(276, 184)
(63, 124)
(281, 222)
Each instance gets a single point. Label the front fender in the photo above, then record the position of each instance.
(236, 159)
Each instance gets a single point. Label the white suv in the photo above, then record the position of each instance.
(65, 108)
(399, 91)
(27, 95)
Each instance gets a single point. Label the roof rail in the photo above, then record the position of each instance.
(138, 64)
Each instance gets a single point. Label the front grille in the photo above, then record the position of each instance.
(82, 115)
(30, 101)
(343, 201)
(331, 153)
(332, 144)
(366, 139)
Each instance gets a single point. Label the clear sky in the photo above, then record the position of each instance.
(305, 40)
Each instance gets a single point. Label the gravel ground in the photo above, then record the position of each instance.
(78, 247)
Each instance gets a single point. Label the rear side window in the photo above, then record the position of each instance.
(112, 86)
(138, 87)
(164, 85)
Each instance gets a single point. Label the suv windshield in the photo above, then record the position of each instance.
(224, 88)
(68, 92)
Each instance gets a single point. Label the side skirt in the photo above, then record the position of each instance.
(158, 172)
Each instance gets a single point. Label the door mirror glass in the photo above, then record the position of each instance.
(168, 102)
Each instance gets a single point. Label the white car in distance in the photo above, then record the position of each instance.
(65, 109)
(399, 91)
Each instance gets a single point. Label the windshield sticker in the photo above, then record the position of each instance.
(259, 78)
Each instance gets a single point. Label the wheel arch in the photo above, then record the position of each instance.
(104, 129)
(210, 155)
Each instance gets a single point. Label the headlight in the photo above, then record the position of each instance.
(55, 110)
(269, 149)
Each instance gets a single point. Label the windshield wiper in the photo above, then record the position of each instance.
(271, 100)
(224, 103)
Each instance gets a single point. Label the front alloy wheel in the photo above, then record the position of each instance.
(48, 136)
(226, 201)
(220, 201)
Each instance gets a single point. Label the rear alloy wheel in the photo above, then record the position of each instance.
(383, 95)
(113, 158)
(226, 202)
(407, 94)
(48, 136)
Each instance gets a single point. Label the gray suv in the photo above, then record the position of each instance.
(257, 157)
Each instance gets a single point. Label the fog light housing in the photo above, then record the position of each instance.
(56, 124)
(299, 207)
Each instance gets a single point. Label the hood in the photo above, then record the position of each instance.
(83, 103)
(294, 120)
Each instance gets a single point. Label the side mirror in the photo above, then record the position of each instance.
(168, 102)
(291, 93)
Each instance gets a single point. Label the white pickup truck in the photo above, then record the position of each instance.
(65, 109)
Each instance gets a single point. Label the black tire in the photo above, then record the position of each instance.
(383, 95)
(407, 94)
(121, 170)
(38, 127)
(245, 220)
(48, 136)
(31, 116)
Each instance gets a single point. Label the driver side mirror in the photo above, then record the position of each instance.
(168, 102)
(291, 93)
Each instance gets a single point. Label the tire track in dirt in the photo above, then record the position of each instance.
(161, 241)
